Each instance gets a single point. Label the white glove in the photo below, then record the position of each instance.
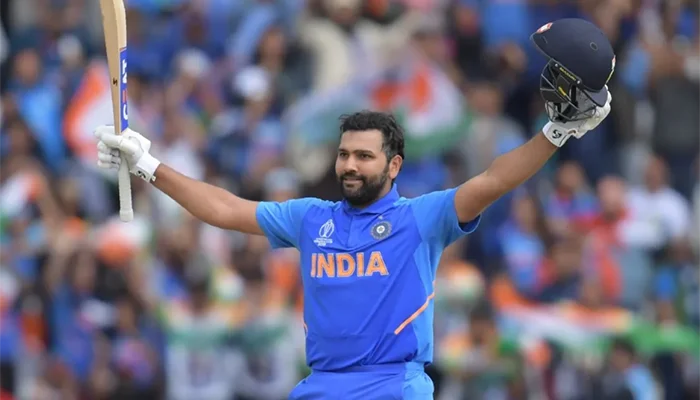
(132, 145)
(559, 132)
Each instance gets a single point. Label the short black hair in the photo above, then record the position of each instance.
(392, 133)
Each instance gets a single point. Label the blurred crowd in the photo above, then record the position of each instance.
(582, 284)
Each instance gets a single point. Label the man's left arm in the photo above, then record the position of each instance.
(504, 174)
(510, 170)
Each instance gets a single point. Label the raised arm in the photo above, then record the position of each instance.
(506, 173)
(510, 170)
(210, 204)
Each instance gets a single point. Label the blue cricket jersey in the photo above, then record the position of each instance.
(368, 274)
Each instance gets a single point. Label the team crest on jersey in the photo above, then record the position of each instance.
(381, 230)
(324, 234)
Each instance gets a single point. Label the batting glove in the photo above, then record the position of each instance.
(559, 132)
(132, 146)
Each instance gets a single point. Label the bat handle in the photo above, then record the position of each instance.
(126, 210)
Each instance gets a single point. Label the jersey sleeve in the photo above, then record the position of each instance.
(437, 219)
(281, 221)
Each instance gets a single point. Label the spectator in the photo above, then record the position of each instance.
(614, 253)
(40, 105)
(524, 244)
(572, 205)
(341, 42)
(198, 362)
(635, 377)
(133, 355)
(562, 268)
(667, 213)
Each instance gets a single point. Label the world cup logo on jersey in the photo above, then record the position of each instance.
(324, 234)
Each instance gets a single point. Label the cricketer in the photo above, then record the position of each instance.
(368, 262)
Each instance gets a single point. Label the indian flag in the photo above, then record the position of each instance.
(568, 324)
(459, 285)
(227, 285)
(16, 193)
(428, 105)
(312, 124)
(91, 106)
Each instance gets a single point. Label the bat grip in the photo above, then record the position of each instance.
(126, 210)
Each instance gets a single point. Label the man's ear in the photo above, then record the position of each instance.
(395, 166)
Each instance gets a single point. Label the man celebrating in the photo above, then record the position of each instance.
(368, 262)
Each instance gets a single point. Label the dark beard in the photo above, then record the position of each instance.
(369, 190)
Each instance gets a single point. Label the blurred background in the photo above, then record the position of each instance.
(582, 284)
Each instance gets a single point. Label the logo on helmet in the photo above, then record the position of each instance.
(544, 27)
(612, 70)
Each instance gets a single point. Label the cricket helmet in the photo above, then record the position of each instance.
(580, 63)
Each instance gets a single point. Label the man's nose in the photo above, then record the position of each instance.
(350, 165)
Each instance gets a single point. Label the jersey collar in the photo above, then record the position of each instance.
(378, 207)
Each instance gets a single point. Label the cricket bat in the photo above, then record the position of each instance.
(114, 25)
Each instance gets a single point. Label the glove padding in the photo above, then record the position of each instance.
(132, 146)
(559, 132)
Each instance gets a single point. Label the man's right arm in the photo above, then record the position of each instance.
(279, 222)
(210, 204)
